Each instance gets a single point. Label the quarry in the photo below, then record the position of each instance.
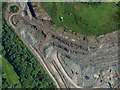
(71, 62)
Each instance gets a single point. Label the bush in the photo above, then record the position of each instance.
(14, 9)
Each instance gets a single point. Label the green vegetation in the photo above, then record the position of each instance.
(85, 18)
(24, 67)
(9, 75)
(0, 19)
(117, 3)
(0, 45)
(14, 9)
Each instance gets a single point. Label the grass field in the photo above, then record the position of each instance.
(85, 18)
(9, 72)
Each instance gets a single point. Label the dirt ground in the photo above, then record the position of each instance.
(82, 61)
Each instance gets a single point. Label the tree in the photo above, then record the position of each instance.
(4, 52)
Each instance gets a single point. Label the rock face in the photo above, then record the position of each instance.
(25, 9)
(81, 63)
(48, 51)
(97, 66)
(40, 12)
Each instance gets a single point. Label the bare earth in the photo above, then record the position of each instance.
(71, 62)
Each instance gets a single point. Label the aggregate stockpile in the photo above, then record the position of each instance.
(72, 62)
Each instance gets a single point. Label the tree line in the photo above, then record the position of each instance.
(30, 72)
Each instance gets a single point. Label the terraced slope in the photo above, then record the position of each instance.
(70, 61)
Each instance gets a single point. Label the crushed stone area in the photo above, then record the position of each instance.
(73, 62)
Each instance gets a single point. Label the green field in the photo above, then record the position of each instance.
(9, 74)
(84, 18)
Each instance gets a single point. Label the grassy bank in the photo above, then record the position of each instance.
(85, 18)
(9, 76)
